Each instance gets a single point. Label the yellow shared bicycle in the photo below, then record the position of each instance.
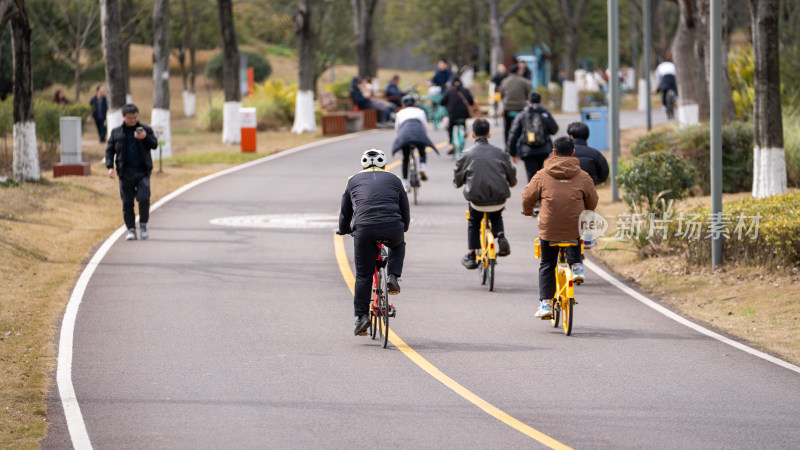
(564, 299)
(487, 257)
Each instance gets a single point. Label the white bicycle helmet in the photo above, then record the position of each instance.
(373, 157)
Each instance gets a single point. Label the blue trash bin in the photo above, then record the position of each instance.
(597, 121)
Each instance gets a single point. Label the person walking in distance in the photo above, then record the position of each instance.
(129, 148)
(514, 91)
(565, 192)
(99, 105)
(530, 133)
(374, 207)
(487, 174)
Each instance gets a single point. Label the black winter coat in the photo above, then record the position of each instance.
(487, 172)
(592, 161)
(411, 132)
(373, 196)
(117, 148)
(456, 108)
(518, 128)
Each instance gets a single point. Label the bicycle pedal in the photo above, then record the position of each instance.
(394, 292)
(392, 312)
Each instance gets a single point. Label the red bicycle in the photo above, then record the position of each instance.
(380, 309)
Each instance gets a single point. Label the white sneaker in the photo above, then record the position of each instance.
(422, 173)
(545, 310)
(143, 231)
(406, 185)
(131, 236)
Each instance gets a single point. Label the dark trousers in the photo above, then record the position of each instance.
(101, 129)
(407, 152)
(134, 184)
(547, 267)
(534, 163)
(474, 226)
(365, 253)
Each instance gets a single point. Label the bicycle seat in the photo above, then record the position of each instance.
(562, 244)
(381, 242)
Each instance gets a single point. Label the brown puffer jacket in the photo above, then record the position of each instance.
(564, 191)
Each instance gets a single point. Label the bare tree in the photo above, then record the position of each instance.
(115, 70)
(689, 57)
(232, 86)
(132, 17)
(496, 22)
(728, 108)
(26, 152)
(187, 45)
(366, 50)
(78, 40)
(769, 158)
(305, 39)
(160, 119)
(571, 12)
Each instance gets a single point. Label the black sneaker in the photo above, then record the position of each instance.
(503, 249)
(469, 262)
(362, 325)
(393, 284)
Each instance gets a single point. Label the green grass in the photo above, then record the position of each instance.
(281, 50)
(214, 158)
(749, 312)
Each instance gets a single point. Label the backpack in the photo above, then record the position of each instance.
(535, 132)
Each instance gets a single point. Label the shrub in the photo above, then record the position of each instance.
(693, 144)
(763, 232)
(340, 89)
(791, 144)
(210, 117)
(655, 176)
(274, 102)
(260, 65)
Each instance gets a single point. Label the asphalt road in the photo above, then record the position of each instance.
(217, 336)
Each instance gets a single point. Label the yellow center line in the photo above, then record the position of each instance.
(424, 364)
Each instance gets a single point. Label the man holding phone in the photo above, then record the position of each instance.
(129, 148)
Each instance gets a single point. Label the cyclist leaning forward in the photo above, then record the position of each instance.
(565, 191)
(411, 125)
(374, 207)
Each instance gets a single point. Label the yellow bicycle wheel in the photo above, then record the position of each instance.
(556, 314)
(569, 309)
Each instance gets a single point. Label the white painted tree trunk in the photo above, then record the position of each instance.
(114, 119)
(304, 119)
(189, 103)
(569, 97)
(231, 129)
(688, 114)
(26, 153)
(160, 122)
(769, 172)
(644, 96)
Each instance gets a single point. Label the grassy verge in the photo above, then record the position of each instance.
(758, 306)
(48, 231)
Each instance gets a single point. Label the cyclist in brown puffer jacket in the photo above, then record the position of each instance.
(564, 191)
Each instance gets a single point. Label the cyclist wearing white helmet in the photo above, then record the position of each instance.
(374, 208)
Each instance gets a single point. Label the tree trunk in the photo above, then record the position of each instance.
(127, 32)
(232, 84)
(26, 153)
(496, 23)
(769, 159)
(726, 92)
(115, 69)
(689, 63)
(77, 54)
(304, 119)
(363, 12)
(160, 119)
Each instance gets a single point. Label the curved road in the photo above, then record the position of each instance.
(217, 336)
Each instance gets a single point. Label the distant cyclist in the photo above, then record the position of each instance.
(411, 124)
(565, 192)
(458, 102)
(487, 173)
(529, 137)
(374, 208)
(665, 79)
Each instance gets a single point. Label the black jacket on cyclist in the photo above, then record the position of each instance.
(373, 196)
(487, 172)
(518, 128)
(592, 161)
(411, 132)
(456, 107)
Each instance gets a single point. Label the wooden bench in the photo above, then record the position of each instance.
(341, 122)
(329, 102)
(370, 119)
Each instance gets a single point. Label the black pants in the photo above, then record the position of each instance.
(534, 163)
(547, 267)
(101, 128)
(134, 183)
(474, 226)
(407, 152)
(365, 252)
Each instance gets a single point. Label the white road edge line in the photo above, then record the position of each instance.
(682, 320)
(69, 401)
